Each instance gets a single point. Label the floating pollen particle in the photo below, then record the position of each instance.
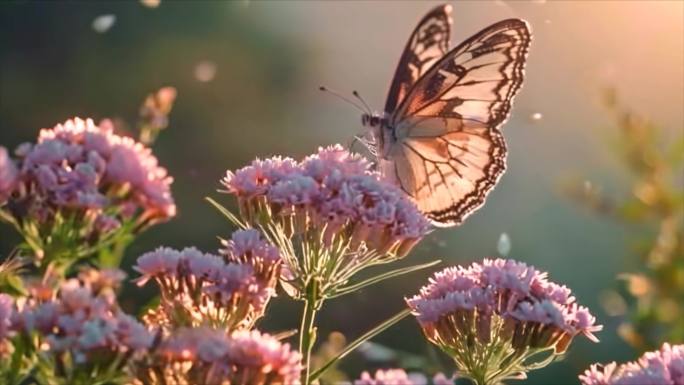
(150, 3)
(103, 23)
(205, 71)
(504, 245)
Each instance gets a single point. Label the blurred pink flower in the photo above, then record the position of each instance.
(384, 377)
(8, 175)
(183, 343)
(441, 379)
(400, 377)
(213, 357)
(661, 367)
(6, 312)
(253, 353)
(98, 280)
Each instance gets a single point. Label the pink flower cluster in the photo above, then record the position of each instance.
(661, 367)
(205, 288)
(332, 190)
(6, 312)
(213, 357)
(102, 281)
(247, 247)
(8, 175)
(86, 170)
(534, 312)
(400, 377)
(82, 323)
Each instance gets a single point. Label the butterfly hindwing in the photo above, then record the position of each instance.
(449, 152)
(449, 175)
(428, 43)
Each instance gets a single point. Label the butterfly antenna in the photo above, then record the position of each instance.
(325, 89)
(358, 96)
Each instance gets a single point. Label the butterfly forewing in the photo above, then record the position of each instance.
(449, 152)
(428, 43)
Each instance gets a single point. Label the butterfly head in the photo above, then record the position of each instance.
(372, 120)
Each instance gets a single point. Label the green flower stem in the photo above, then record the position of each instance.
(359, 341)
(307, 331)
(381, 277)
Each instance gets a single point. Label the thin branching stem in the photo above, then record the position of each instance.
(356, 343)
(307, 330)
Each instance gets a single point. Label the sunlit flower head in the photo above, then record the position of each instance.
(248, 247)
(212, 357)
(253, 353)
(98, 280)
(84, 175)
(334, 189)
(6, 313)
(86, 327)
(660, 367)
(400, 377)
(331, 198)
(8, 175)
(203, 289)
(498, 304)
(384, 377)
(80, 151)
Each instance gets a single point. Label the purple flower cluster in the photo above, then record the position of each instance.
(332, 190)
(6, 311)
(8, 175)
(247, 247)
(82, 323)
(206, 289)
(212, 357)
(661, 367)
(81, 170)
(534, 312)
(400, 377)
(102, 280)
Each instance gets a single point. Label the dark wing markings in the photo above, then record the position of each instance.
(431, 34)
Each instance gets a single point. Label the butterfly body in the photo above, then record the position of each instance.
(439, 137)
(380, 131)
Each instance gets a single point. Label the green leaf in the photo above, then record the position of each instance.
(13, 284)
(356, 343)
(633, 211)
(150, 305)
(110, 254)
(17, 358)
(676, 152)
(381, 277)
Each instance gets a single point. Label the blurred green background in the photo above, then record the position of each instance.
(247, 75)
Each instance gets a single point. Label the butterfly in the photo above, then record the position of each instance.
(439, 137)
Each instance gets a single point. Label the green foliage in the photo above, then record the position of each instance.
(10, 276)
(655, 205)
